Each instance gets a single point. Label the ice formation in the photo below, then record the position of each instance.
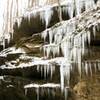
(48, 86)
(71, 36)
(67, 37)
(13, 10)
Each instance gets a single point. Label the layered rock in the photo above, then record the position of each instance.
(68, 52)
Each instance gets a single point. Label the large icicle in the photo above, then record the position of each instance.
(64, 74)
(47, 15)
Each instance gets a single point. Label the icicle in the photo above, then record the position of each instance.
(95, 66)
(59, 34)
(98, 27)
(89, 4)
(58, 50)
(11, 10)
(98, 65)
(44, 51)
(41, 71)
(94, 31)
(64, 74)
(42, 17)
(47, 15)
(19, 21)
(98, 3)
(42, 2)
(64, 9)
(75, 49)
(37, 91)
(67, 73)
(51, 69)
(56, 38)
(86, 35)
(44, 34)
(48, 91)
(48, 69)
(25, 91)
(50, 37)
(89, 36)
(86, 68)
(90, 67)
(3, 43)
(62, 77)
(79, 5)
(66, 93)
(70, 9)
(48, 51)
(38, 68)
(83, 45)
(45, 70)
(65, 48)
(74, 54)
(79, 61)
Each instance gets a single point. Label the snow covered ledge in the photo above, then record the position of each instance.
(48, 86)
(11, 50)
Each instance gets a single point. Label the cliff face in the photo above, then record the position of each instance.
(58, 60)
(88, 89)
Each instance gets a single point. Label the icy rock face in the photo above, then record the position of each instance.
(67, 37)
(45, 67)
(13, 10)
(70, 37)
